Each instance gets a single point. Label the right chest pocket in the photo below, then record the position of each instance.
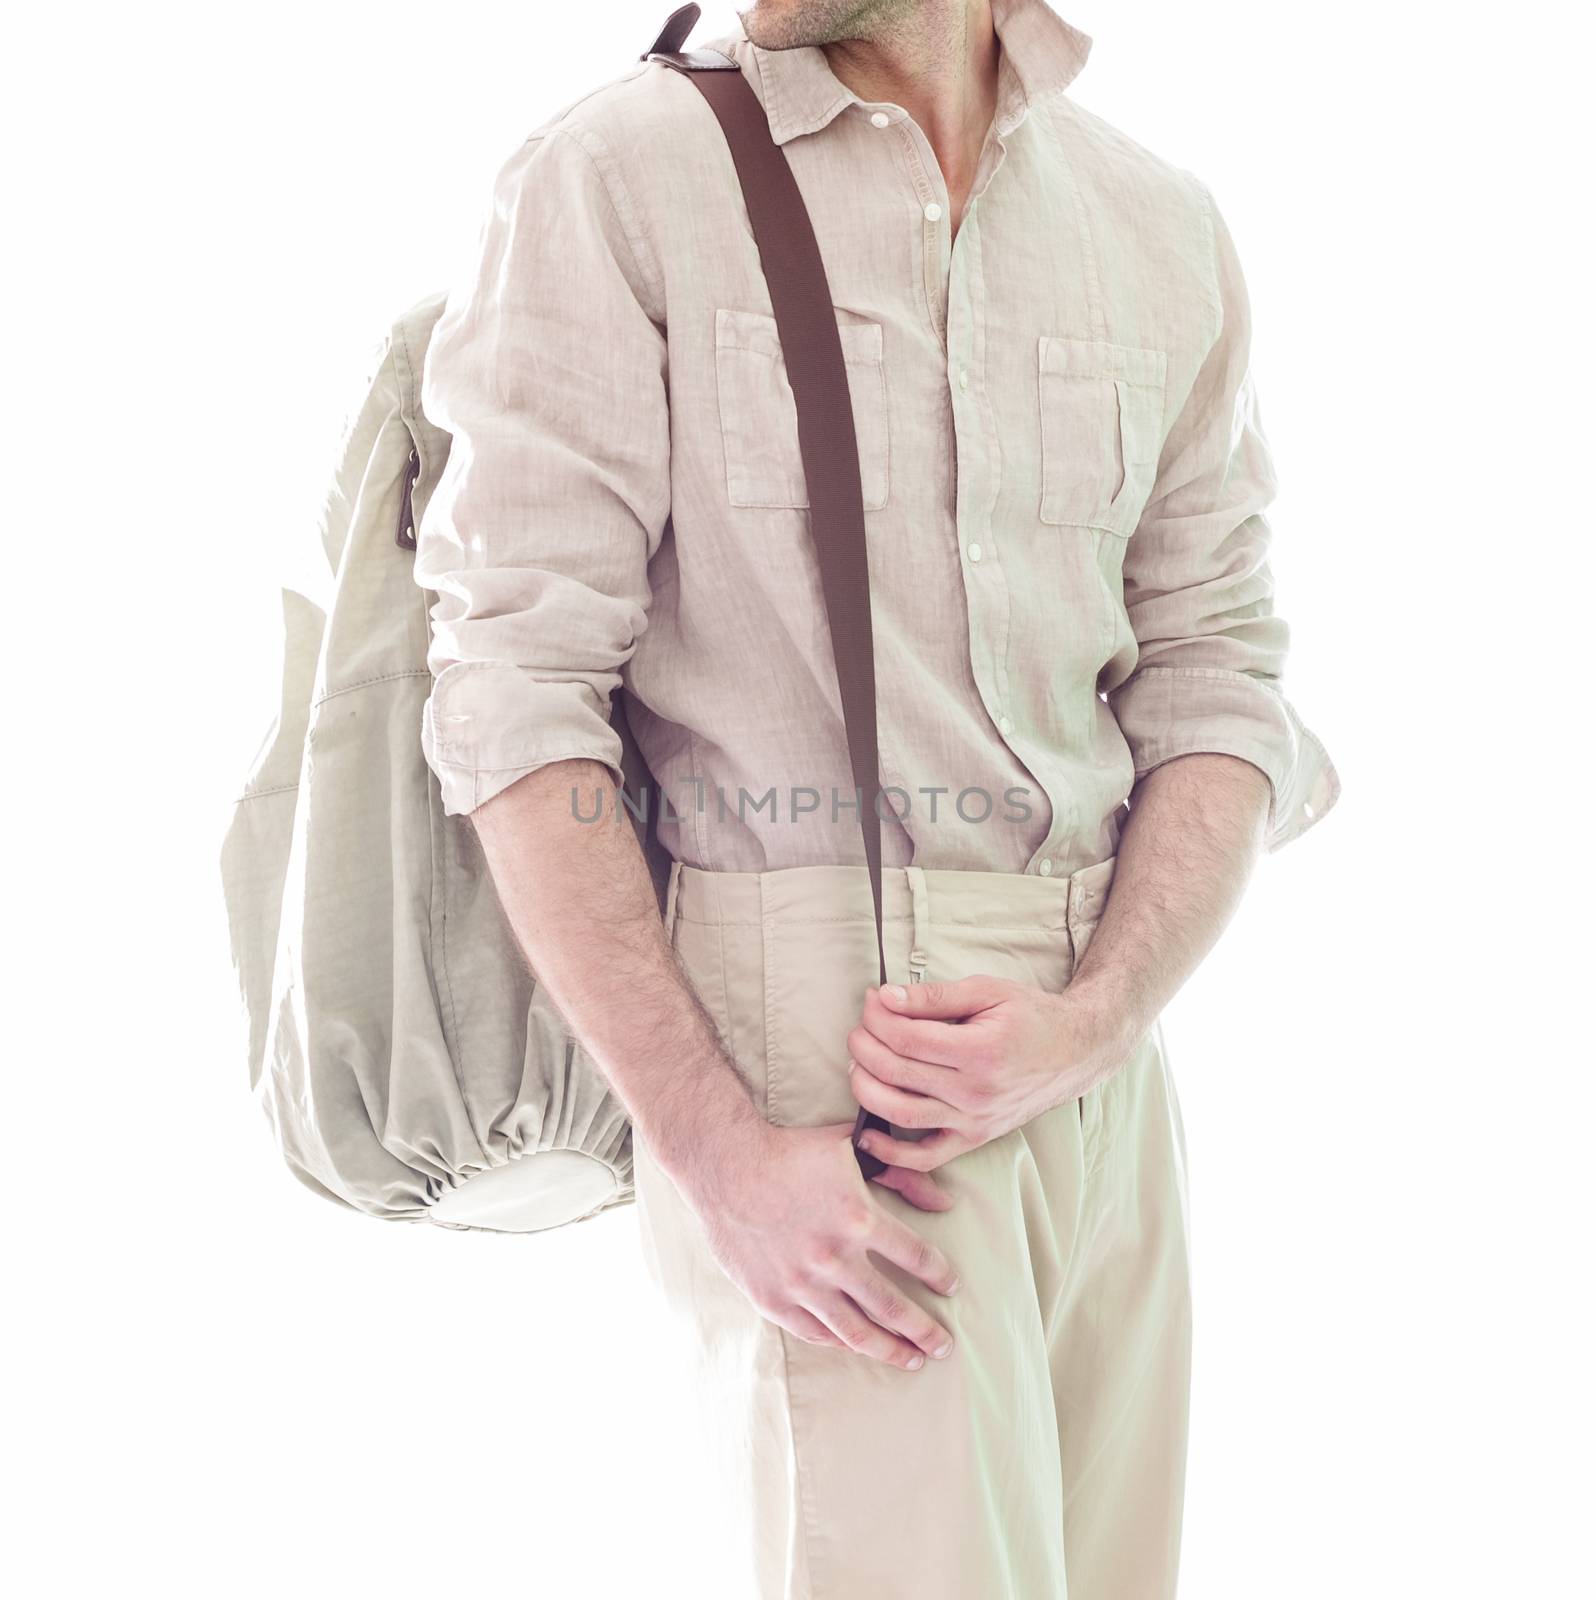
(759, 420)
(1102, 408)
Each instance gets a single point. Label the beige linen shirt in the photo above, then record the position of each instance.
(1063, 467)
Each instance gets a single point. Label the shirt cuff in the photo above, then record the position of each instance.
(487, 724)
(1166, 712)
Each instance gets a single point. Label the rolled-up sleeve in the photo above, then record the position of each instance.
(1199, 594)
(547, 368)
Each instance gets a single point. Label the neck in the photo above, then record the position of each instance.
(939, 61)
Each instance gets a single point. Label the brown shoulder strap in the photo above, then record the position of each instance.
(806, 322)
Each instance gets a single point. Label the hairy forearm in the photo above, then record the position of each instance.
(1194, 834)
(581, 903)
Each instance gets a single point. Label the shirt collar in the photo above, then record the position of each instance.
(1041, 53)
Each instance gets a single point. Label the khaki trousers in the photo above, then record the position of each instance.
(1043, 1458)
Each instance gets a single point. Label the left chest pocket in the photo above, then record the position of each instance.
(759, 420)
(1102, 414)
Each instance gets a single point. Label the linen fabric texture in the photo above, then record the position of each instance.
(1063, 465)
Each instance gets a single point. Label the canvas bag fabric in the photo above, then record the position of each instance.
(397, 1040)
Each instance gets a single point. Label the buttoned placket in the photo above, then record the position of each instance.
(954, 284)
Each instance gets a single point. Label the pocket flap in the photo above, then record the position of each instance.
(1091, 358)
(756, 331)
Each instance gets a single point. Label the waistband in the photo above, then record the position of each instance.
(943, 896)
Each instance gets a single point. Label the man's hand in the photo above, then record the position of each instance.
(972, 1060)
(977, 1058)
(791, 1221)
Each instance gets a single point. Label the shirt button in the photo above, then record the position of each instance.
(1045, 866)
(964, 378)
(933, 212)
(1005, 725)
(879, 119)
(974, 552)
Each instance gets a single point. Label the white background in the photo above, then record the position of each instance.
(221, 1384)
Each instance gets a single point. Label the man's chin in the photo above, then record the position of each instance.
(790, 24)
(770, 23)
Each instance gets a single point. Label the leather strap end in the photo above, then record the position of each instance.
(673, 35)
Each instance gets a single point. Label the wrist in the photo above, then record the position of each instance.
(1109, 1019)
(703, 1143)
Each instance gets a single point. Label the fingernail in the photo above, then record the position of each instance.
(953, 1287)
(916, 1362)
(942, 1350)
(896, 993)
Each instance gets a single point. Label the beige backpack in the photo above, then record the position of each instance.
(404, 1055)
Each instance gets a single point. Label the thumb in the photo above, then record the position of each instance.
(938, 1002)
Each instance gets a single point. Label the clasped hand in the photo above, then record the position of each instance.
(970, 1060)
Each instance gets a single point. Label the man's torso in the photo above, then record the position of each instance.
(1011, 388)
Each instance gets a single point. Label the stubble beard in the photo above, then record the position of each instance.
(790, 24)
